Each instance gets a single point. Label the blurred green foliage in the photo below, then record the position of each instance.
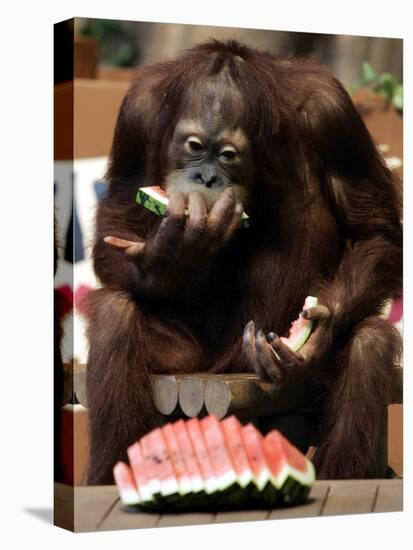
(384, 84)
(117, 44)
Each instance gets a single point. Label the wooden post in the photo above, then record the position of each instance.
(165, 393)
(191, 395)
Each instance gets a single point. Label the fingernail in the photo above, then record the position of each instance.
(260, 334)
(249, 325)
(239, 207)
(271, 336)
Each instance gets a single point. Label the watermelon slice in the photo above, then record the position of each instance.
(126, 484)
(231, 428)
(155, 199)
(150, 467)
(194, 464)
(188, 455)
(291, 472)
(202, 455)
(140, 472)
(162, 464)
(218, 453)
(178, 464)
(252, 442)
(300, 328)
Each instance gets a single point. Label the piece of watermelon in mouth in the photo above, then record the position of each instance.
(155, 199)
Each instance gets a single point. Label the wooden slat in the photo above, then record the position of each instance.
(242, 515)
(91, 505)
(312, 508)
(165, 393)
(117, 518)
(350, 497)
(173, 520)
(389, 496)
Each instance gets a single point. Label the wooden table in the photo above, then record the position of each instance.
(99, 509)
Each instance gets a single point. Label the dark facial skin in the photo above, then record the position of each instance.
(210, 151)
(209, 176)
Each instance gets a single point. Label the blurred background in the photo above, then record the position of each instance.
(95, 61)
(124, 44)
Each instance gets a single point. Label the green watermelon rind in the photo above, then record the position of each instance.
(294, 485)
(293, 489)
(297, 342)
(150, 202)
(146, 198)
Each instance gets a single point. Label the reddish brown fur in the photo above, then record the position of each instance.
(325, 220)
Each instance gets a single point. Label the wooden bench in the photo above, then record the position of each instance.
(244, 395)
(220, 394)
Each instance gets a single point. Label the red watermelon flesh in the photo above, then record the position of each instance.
(139, 471)
(284, 461)
(160, 190)
(253, 445)
(150, 467)
(188, 455)
(126, 484)
(202, 455)
(163, 469)
(176, 459)
(231, 428)
(218, 453)
(300, 329)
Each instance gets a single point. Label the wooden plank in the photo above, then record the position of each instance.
(389, 496)
(174, 520)
(350, 497)
(118, 518)
(312, 508)
(91, 505)
(241, 515)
